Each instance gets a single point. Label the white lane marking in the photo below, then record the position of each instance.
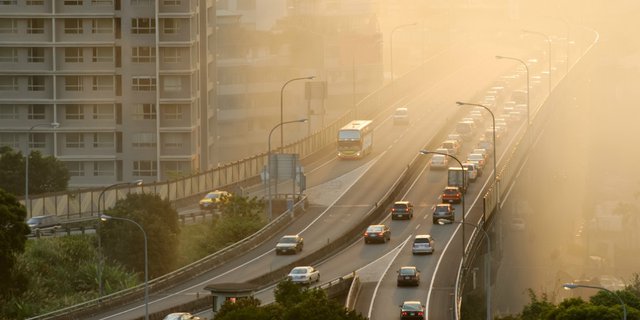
(433, 276)
(375, 291)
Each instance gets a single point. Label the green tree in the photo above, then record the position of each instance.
(13, 236)
(240, 217)
(46, 174)
(124, 242)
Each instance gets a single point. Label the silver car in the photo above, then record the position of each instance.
(422, 244)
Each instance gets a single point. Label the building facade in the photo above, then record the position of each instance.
(129, 83)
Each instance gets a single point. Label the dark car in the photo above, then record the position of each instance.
(377, 233)
(290, 244)
(402, 210)
(451, 194)
(443, 211)
(408, 275)
(411, 310)
(43, 223)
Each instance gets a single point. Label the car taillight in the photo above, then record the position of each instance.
(365, 234)
(380, 233)
(404, 313)
(393, 209)
(420, 313)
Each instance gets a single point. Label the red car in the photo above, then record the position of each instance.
(451, 195)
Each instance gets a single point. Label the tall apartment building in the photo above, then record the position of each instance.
(130, 82)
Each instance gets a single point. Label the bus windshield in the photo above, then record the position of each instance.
(349, 135)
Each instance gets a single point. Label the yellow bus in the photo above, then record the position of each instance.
(355, 139)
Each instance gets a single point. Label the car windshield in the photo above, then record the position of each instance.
(442, 209)
(475, 156)
(400, 206)
(374, 229)
(212, 195)
(450, 191)
(299, 271)
(421, 240)
(411, 306)
(288, 240)
(407, 271)
(34, 220)
(401, 112)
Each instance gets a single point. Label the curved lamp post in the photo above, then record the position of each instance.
(391, 44)
(570, 286)
(282, 106)
(146, 261)
(488, 271)
(495, 159)
(549, 56)
(27, 205)
(269, 210)
(132, 183)
(528, 96)
(464, 177)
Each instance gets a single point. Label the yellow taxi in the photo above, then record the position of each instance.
(213, 199)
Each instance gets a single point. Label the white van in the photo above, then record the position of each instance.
(401, 116)
(472, 170)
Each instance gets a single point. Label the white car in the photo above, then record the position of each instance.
(439, 161)
(304, 275)
(401, 116)
(476, 158)
(180, 316)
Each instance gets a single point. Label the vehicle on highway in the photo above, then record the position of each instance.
(452, 145)
(517, 223)
(485, 143)
(443, 211)
(422, 244)
(180, 316)
(402, 210)
(451, 194)
(411, 310)
(401, 116)
(465, 129)
(483, 152)
(456, 137)
(456, 177)
(290, 244)
(408, 275)
(439, 161)
(304, 275)
(355, 139)
(477, 158)
(44, 223)
(472, 170)
(214, 199)
(377, 233)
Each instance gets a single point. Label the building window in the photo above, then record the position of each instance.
(103, 168)
(103, 140)
(102, 2)
(9, 2)
(171, 55)
(143, 140)
(36, 112)
(76, 168)
(74, 112)
(74, 140)
(8, 83)
(73, 2)
(143, 83)
(8, 54)
(143, 54)
(102, 54)
(35, 2)
(35, 26)
(145, 168)
(72, 26)
(73, 83)
(36, 83)
(143, 25)
(172, 83)
(101, 26)
(171, 26)
(37, 140)
(142, 2)
(172, 112)
(172, 141)
(35, 55)
(102, 112)
(102, 83)
(10, 140)
(8, 26)
(171, 2)
(73, 55)
(144, 111)
(8, 112)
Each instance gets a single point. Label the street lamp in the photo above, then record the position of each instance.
(487, 268)
(27, 205)
(570, 286)
(528, 96)
(132, 183)
(462, 192)
(267, 175)
(282, 106)
(105, 217)
(549, 55)
(495, 158)
(391, 44)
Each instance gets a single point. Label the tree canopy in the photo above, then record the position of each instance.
(293, 302)
(13, 236)
(46, 174)
(124, 242)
